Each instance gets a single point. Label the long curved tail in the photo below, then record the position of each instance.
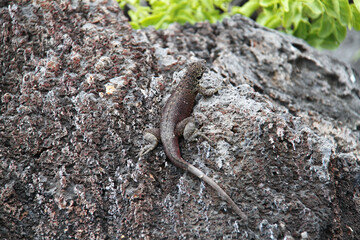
(197, 172)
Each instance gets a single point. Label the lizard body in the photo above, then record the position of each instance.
(175, 114)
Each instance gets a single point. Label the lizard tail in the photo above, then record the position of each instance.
(197, 172)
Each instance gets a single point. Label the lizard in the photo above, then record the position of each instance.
(175, 119)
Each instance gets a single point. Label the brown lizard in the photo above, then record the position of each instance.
(175, 116)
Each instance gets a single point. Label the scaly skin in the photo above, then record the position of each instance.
(178, 108)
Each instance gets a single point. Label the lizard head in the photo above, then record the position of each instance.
(197, 69)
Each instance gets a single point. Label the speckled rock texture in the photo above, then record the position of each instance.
(78, 86)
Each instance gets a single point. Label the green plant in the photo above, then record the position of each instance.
(161, 13)
(322, 23)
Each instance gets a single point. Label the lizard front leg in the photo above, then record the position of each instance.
(151, 135)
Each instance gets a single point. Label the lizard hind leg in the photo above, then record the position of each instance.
(186, 128)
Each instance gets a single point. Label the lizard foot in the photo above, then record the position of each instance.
(152, 136)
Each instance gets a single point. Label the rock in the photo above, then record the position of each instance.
(79, 86)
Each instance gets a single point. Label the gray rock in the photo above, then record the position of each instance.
(78, 86)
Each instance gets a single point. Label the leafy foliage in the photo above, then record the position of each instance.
(161, 13)
(322, 23)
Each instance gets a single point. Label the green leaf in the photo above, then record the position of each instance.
(287, 17)
(207, 4)
(158, 5)
(316, 26)
(273, 22)
(285, 5)
(183, 19)
(336, 6)
(164, 22)
(175, 8)
(326, 26)
(199, 15)
(331, 8)
(303, 29)
(356, 17)
(194, 4)
(297, 16)
(345, 12)
(152, 19)
(222, 4)
(151, 2)
(134, 25)
(133, 15)
(185, 16)
(313, 9)
(314, 40)
(357, 5)
(263, 17)
(140, 13)
(339, 32)
(247, 9)
(269, 17)
(211, 17)
(268, 3)
(329, 42)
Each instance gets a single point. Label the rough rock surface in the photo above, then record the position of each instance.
(78, 86)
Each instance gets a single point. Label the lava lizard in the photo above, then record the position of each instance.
(174, 120)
